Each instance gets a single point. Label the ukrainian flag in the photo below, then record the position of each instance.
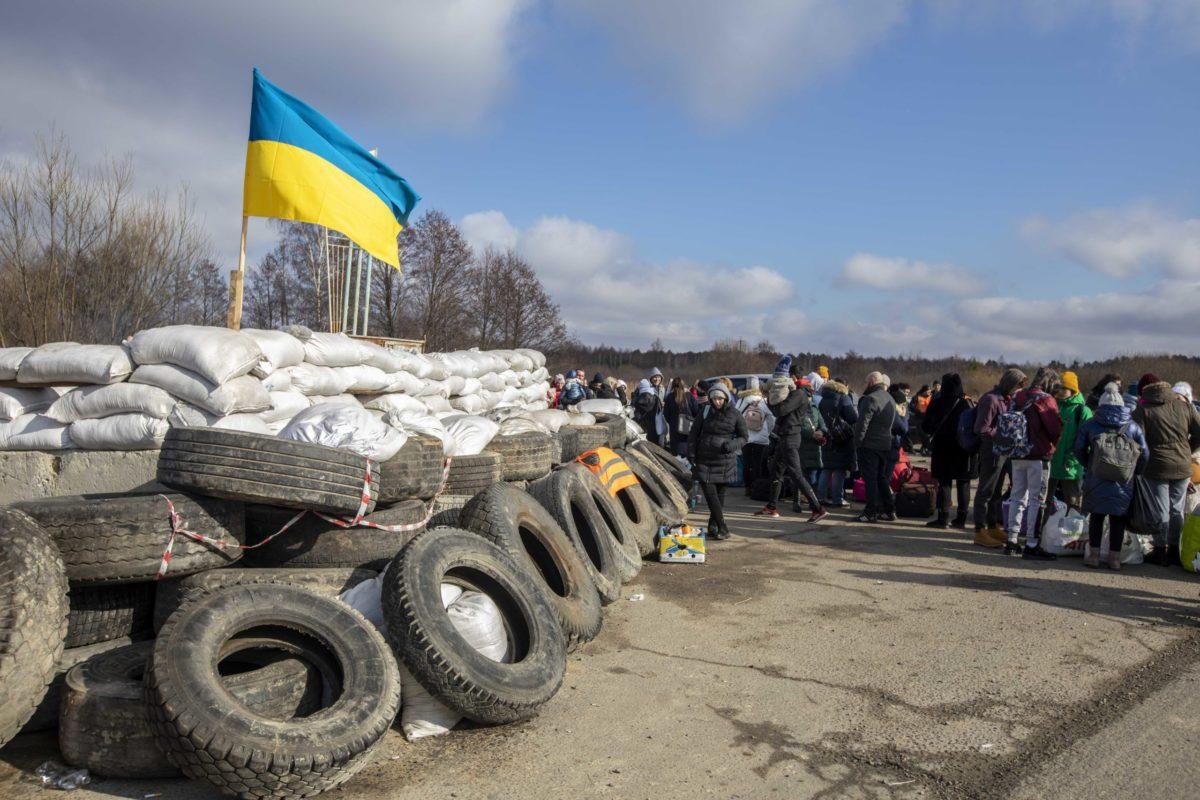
(301, 166)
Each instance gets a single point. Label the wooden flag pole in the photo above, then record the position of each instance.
(237, 278)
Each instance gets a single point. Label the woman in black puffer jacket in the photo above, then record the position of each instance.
(716, 438)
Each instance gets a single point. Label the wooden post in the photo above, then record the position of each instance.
(237, 278)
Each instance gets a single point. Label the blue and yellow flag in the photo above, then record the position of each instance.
(301, 166)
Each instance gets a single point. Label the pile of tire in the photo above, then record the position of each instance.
(240, 666)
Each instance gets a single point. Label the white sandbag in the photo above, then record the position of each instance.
(242, 394)
(186, 415)
(436, 404)
(96, 402)
(577, 418)
(537, 405)
(415, 364)
(469, 386)
(16, 401)
(278, 381)
(421, 424)
(478, 620)
(510, 395)
(399, 404)
(552, 418)
(532, 394)
(404, 383)
(514, 425)
(455, 385)
(511, 377)
(34, 432)
(538, 359)
(246, 423)
(10, 361)
(430, 388)
(471, 434)
(471, 404)
(633, 431)
(279, 349)
(284, 405)
(457, 364)
(600, 406)
(380, 357)
(490, 399)
(313, 380)
(70, 363)
(217, 354)
(120, 432)
(436, 369)
(364, 379)
(538, 375)
(334, 350)
(342, 399)
(348, 427)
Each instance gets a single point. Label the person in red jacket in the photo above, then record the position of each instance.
(1031, 471)
(992, 465)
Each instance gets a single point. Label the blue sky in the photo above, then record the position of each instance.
(919, 176)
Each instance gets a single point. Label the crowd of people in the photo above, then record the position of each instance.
(1033, 441)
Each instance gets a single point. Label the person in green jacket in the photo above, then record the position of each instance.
(1066, 471)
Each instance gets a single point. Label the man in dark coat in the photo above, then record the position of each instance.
(1172, 429)
(792, 408)
(951, 464)
(646, 408)
(716, 438)
(600, 389)
(995, 402)
(837, 454)
(873, 443)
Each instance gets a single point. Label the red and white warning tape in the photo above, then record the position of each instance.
(179, 529)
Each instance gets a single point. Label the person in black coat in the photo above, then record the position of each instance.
(646, 408)
(680, 410)
(792, 408)
(600, 389)
(951, 464)
(716, 438)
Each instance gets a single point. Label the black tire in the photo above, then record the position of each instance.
(583, 438)
(328, 582)
(426, 641)
(120, 538)
(562, 439)
(46, 716)
(615, 424)
(616, 525)
(313, 542)
(472, 474)
(33, 618)
(256, 468)
(635, 505)
(446, 510)
(525, 456)
(103, 613)
(414, 472)
(520, 526)
(211, 737)
(667, 461)
(667, 500)
(105, 724)
(564, 493)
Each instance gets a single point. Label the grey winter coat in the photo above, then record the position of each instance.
(1108, 497)
(876, 416)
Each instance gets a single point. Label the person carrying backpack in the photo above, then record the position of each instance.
(1027, 434)
(1066, 471)
(573, 392)
(680, 410)
(791, 406)
(1114, 449)
(873, 437)
(837, 454)
(992, 464)
(714, 442)
(759, 424)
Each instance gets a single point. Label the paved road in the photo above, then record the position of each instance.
(835, 661)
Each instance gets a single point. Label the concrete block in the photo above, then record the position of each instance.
(26, 475)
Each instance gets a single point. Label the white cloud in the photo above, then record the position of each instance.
(729, 59)
(610, 294)
(1175, 21)
(900, 274)
(1125, 241)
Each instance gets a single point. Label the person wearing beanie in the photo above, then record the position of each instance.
(992, 465)
(1066, 471)
(600, 389)
(791, 406)
(1031, 467)
(1172, 431)
(715, 439)
(1184, 390)
(873, 434)
(823, 371)
(1108, 499)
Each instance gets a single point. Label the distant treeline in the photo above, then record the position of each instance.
(728, 358)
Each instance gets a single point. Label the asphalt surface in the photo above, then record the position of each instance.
(831, 661)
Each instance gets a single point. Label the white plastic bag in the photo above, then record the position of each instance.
(15, 401)
(217, 354)
(470, 434)
(95, 402)
(34, 432)
(279, 349)
(1064, 531)
(10, 361)
(61, 363)
(120, 432)
(242, 394)
(334, 350)
(1134, 547)
(348, 427)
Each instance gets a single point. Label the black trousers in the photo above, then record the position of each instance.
(753, 456)
(786, 461)
(714, 496)
(964, 498)
(876, 480)
(1116, 531)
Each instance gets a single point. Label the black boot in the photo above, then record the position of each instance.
(1037, 553)
(941, 521)
(959, 522)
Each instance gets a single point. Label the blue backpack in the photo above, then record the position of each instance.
(968, 439)
(1012, 433)
(572, 393)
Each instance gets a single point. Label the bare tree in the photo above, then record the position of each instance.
(510, 307)
(439, 261)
